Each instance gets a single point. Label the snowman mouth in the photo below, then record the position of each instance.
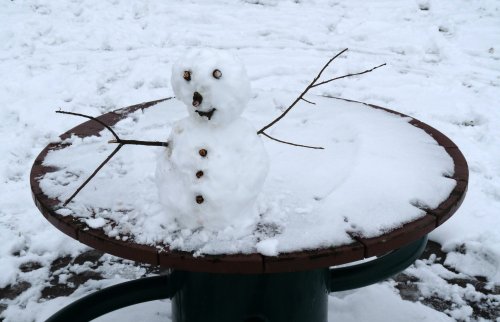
(197, 99)
(207, 114)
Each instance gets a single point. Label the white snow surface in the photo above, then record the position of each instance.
(374, 168)
(90, 56)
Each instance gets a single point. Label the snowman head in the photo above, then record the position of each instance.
(213, 84)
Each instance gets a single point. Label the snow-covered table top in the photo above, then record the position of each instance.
(382, 181)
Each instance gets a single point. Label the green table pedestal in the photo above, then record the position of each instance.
(281, 297)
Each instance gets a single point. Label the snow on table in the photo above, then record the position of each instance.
(375, 170)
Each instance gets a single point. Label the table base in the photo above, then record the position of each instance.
(210, 297)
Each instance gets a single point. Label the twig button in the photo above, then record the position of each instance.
(203, 152)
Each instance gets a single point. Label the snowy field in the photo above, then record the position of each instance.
(443, 67)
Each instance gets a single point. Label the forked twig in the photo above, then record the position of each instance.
(117, 140)
(261, 131)
(301, 97)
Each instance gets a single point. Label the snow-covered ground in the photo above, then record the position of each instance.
(443, 67)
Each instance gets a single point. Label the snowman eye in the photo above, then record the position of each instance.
(187, 75)
(217, 74)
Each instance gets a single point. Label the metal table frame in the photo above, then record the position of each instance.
(211, 297)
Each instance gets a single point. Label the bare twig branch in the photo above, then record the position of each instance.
(301, 97)
(290, 143)
(349, 75)
(138, 142)
(307, 101)
(117, 140)
(93, 119)
(93, 174)
(261, 131)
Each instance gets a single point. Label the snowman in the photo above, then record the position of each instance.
(215, 165)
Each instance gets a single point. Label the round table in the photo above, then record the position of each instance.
(251, 287)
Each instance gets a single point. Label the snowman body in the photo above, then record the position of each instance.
(215, 165)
